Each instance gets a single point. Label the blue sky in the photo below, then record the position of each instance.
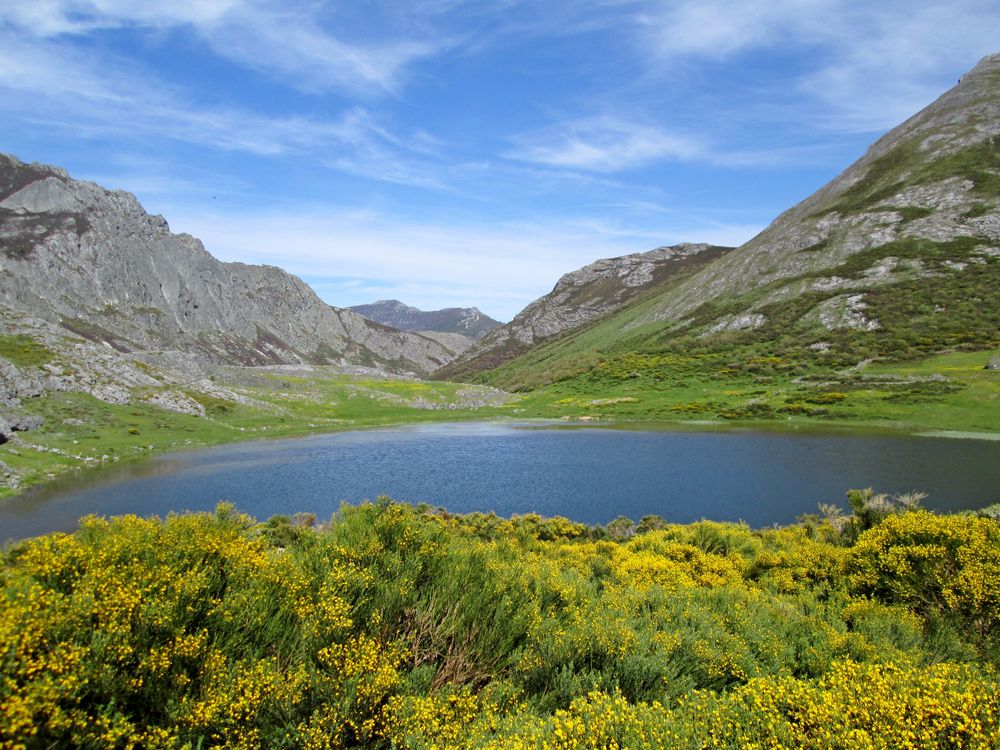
(468, 152)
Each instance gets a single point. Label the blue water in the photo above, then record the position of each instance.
(587, 474)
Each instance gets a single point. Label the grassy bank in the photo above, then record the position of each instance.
(396, 627)
(944, 392)
(80, 431)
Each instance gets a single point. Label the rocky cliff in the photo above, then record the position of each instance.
(94, 262)
(579, 298)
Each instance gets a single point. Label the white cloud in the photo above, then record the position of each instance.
(50, 84)
(50, 18)
(295, 48)
(720, 28)
(602, 144)
(899, 59)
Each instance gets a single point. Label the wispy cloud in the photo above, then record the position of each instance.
(602, 144)
(62, 88)
(294, 47)
(715, 29)
(291, 41)
(861, 66)
(894, 63)
(49, 18)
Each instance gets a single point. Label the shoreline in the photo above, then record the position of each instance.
(92, 471)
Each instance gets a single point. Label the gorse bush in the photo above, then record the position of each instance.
(935, 565)
(404, 627)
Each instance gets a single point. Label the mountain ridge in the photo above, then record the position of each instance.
(579, 298)
(893, 258)
(93, 261)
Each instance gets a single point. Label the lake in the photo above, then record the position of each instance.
(589, 474)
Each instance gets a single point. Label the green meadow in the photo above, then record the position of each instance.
(948, 392)
(80, 431)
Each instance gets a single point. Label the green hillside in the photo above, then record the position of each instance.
(850, 305)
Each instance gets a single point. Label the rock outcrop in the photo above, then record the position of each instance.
(94, 262)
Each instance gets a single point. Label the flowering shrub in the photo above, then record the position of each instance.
(933, 563)
(401, 627)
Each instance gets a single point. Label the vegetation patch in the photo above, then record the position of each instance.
(905, 165)
(24, 351)
(95, 333)
(393, 626)
(22, 232)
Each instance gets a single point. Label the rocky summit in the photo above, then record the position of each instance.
(95, 263)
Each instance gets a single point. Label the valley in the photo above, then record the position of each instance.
(726, 485)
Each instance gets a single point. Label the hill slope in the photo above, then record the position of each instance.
(579, 298)
(95, 262)
(896, 259)
(925, 193)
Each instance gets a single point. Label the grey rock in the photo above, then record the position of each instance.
(83, 366)
(8, 476)
(12, 422)
(456, 342)
(93, 261)
(844, 312)
(737, 323)
(25, 422)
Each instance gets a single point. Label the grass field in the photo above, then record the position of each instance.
(951, 392)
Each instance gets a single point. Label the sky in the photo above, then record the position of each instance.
(454, 153)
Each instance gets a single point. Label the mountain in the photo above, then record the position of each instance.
(925, 193)
(579, 298)
(94, 262)
(467, 321)
(896, 258)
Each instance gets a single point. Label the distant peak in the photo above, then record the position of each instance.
(469, 321)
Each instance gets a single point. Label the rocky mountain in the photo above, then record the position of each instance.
(581, 297)
(465, 321)
(927, 189)
(95, 263)
(897, 257)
